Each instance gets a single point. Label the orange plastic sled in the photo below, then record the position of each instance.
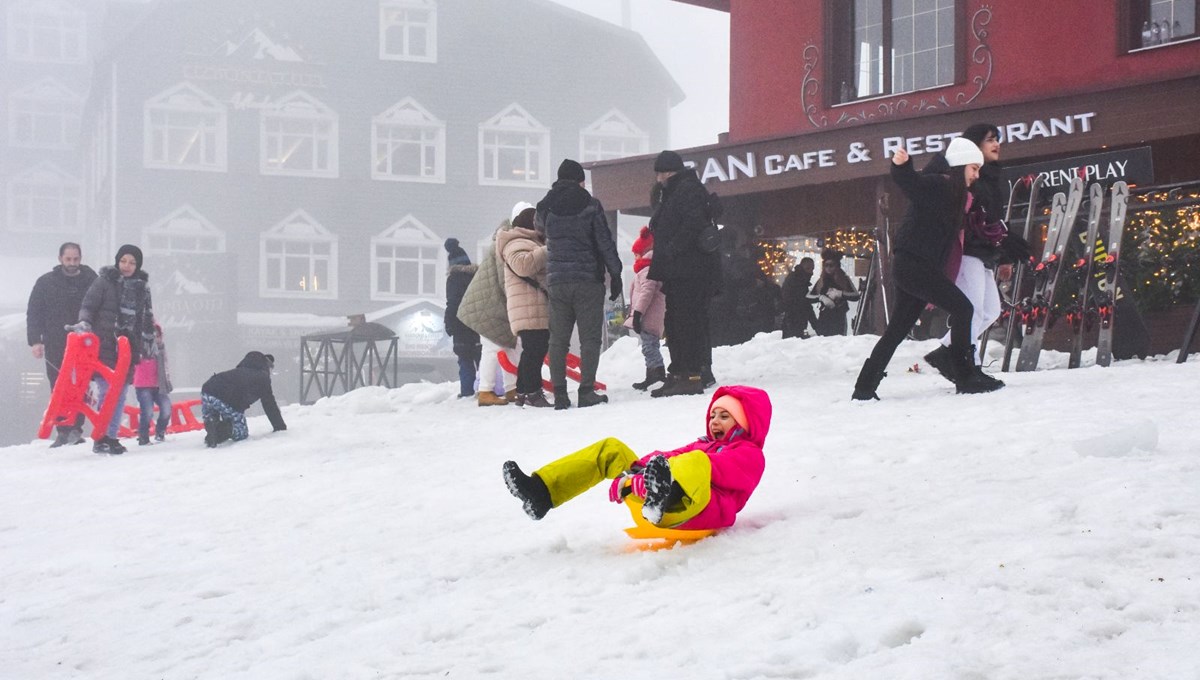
(183, 419)
(650, 537)
(572, 369)
(81, 362)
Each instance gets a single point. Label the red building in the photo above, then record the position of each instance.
(822, 91)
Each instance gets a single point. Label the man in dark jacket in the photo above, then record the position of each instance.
(225, 397)
(54, 304)
(466, 341)
(689, 275)
(797, 308)
(579, 249)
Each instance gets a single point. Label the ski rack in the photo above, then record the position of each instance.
(572, 369)
(81, 362)
(1034, 183)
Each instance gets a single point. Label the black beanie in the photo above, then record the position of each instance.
(129, 249)
(668, 161)
(571, 170)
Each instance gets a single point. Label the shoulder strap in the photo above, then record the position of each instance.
(526, 279)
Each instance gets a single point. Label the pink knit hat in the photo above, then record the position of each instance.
(734, 407)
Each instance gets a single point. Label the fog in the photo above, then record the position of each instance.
(285, 166)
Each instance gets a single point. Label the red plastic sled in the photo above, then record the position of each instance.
(81, 363)
(182, 419)
(572, 369)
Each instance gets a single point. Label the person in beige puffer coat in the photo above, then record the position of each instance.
(522, 250)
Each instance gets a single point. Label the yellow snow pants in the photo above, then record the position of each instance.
(575, 473)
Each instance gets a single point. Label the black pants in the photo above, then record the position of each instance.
(918, 284)
(686, 326)
(534, 345)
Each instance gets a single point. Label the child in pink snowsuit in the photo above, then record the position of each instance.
(152, 384)
(701, 485)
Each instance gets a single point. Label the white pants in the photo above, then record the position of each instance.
(978, 283)
(492, 378)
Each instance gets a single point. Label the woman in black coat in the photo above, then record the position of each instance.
(225, 397)
(934, 221)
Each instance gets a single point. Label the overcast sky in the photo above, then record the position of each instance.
(693, 43)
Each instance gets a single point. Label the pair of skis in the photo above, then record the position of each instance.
(1010, 327)
(1106, 297)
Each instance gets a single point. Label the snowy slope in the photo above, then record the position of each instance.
(1050, 530)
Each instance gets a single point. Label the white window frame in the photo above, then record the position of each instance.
(409, 232)
(184, 231)
(290, 124)
(170, 113)
(45, 22)
(45, 182)
(387, 140)
(514, 121)
(301, 230)
(45, 106)
(387, 21)
(613, 128)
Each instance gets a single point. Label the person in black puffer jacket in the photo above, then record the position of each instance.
(466, 341)
(988, 248)
(690, 276)
(935, 218)
(225, 397)
(579, 249)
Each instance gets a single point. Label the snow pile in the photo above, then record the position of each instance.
(1044, 531)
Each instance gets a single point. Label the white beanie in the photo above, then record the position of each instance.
(963, 151)
(519, 208)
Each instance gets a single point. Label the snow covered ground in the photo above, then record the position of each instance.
(1050, 530)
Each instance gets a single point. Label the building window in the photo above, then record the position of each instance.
(47, 31)
(298, 259)
(298, 137)
(184, 231)
(408, 144)
(408, 30)
(1158, 22)
(406, 262)
(514, 149)
(612, 136)
(44, 199)
(44, 115)
(185, 129)
(887, 47)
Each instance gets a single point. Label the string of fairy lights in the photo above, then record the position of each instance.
(1162, 249)
(777, 258)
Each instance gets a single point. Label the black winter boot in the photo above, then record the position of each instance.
(589, 397)
(706, 377)
(971, 378)
(653, 375)
(661, 489)
(942, 360)
(684, 383)
(530, 490)
(868, 381)
(561, 400)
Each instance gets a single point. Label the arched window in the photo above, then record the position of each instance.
(298, 259)
(44, 199)
(185, 129)
(514, 149)
(408, 144)
(183, 231)
(44, 115)
(298, 137)
(612, 136)
(406, 262)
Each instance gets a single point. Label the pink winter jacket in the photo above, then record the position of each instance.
(646, 296)
(145, 373)
(522, 253)
(737, 460)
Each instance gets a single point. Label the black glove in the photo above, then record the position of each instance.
(1016, 248)
(637, 322)
(614, 287)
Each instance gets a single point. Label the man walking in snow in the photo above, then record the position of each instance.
(54, 304)
(579, 248)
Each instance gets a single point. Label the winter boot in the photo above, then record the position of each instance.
(588, 397)
(706, 377)
(160, 436)
(672, 378)
(653, 375)
(942, 361)
(561, 400)
(537, 400)
(972, 379)
(216, 432)
(511, 397)
(115, 447)
(143, 440)
(487, 398)
(74, 436)
(61, 438)
(530, 490)
(685, 383)
(868, 381)
(100, 446)
(661, 489)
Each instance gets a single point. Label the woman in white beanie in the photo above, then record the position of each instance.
(934, 222)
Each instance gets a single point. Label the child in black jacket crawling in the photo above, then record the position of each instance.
(225, 397)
